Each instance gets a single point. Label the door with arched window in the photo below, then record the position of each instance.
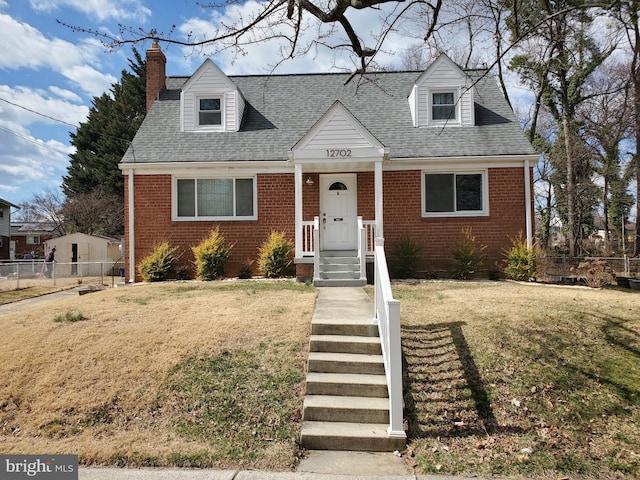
(338, 207)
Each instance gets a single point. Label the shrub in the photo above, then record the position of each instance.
(211, 255)
(159, 264)
(468, 257)
(246, 270)
(406, 255)
(520, 259)
(70, 317)
(276, 256)
(596, 272)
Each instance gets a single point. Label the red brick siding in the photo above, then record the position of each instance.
(437, 236)
(153, 223)
(276, 207)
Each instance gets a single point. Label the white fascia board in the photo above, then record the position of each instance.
(190, 168)
(501, 161)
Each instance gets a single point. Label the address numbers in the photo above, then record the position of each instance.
(336, 153)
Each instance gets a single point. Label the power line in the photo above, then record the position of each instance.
(39, 143)
(38, 113)
(59, 121)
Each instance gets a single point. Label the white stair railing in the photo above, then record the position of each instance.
(387, 315)
(316, 248)
(362, 248)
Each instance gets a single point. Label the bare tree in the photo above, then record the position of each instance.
(44, 207)
(607, 123)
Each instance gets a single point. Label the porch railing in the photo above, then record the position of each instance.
(387, 315)
(308, 243)
(362, 248)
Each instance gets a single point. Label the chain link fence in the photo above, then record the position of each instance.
(37, 273)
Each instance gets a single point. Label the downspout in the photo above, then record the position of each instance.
(132, 236)
(527, 202)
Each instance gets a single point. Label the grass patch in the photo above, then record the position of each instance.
(243, 403)
(69, 317)
(122, 389)
(15, 295)
(521, 379)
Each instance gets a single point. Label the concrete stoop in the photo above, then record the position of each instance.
(339, 269)
(346, 405)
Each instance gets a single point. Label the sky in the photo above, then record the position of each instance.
(50, 73)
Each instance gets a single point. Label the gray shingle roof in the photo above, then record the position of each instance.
(282, 108)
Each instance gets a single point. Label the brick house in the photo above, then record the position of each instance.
(30, 237)
(334, 165)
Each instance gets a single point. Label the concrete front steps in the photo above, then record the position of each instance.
(346, 406)
(339, 269)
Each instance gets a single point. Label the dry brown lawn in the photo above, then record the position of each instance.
(97, 387)
(509, 379)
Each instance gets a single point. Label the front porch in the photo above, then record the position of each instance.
(338, 268)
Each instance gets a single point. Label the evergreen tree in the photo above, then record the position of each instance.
(103, 139)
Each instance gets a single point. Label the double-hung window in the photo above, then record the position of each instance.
(215, 198)
(33, 239)
(455, 194)
(210, 112)
(443, 106)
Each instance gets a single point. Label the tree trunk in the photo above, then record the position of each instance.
(571, 182)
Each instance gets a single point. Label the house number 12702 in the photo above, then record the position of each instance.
(334, 153)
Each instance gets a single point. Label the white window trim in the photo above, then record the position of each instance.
(33, 237)
(174, 200)
(196, 112)
(465, 213)
(456, 103)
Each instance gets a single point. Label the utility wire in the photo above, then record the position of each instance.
(38, 113)
(39, 143)
(61, 121)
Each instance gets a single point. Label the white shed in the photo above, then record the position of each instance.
(85, 254)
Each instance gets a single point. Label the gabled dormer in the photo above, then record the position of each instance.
(210, 102)
(442, 96)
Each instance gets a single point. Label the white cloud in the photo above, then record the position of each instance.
(26, 47)
(65, 94)
(100, 10)
(52, 106)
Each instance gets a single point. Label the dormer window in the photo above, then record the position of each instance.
(443, 106)
(209, 112)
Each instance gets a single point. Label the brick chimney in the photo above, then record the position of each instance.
(156, 73)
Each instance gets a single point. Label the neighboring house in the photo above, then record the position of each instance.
(7, 250)
(29, 238)
(95, 255)
(423, 154)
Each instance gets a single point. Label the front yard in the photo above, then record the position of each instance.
(502, 378)
(514, 379)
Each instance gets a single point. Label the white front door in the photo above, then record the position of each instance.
(338, 207)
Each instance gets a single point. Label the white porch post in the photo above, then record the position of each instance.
(378, 199)
(298, 209)
(527, 202)
(132, 233)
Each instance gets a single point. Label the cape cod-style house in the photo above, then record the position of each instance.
(332, 164)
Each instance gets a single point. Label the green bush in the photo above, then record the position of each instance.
(520, 259)
(468, 257)
(406, 255)
(70, 317)
(211, 256)
(276, 256)
(159, 264)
